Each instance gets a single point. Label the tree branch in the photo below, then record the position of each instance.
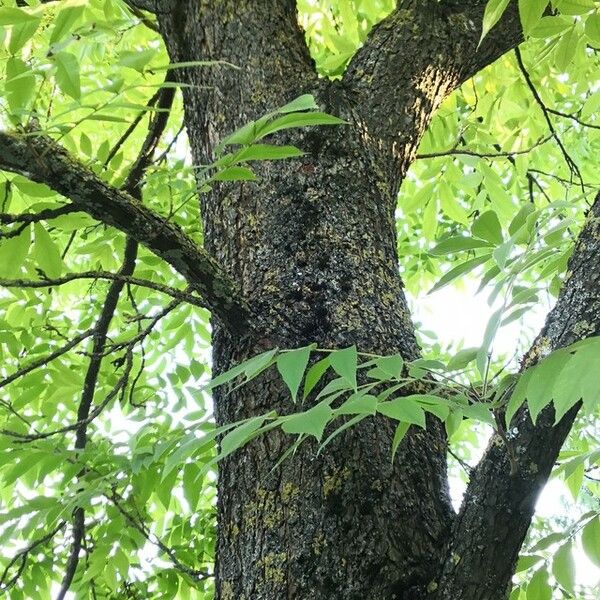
(467, 152)
(498, 505)
(39, 158)
(180, 295)
(85, 414)
(570, 162)
(43, 215)
(87, 397)
(22, 556)
(413, 59)
(46, 359)
(138, 524)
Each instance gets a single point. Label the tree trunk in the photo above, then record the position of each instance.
(314, 245)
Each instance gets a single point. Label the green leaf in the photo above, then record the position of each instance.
(494, 10)
(592, 28)
(67, 74)
(304, 102)
(487, 227)
(13, 253)
(575, 480)
(21, 34)
(575, 7)
(235, 174)
(517, 397)
(244, 135)
(565, 50)
(391, 366)
(349, 423)
(433, 404)
(538, 587)
(540, 387)
(527, 561)
(15, 16)
(563, 567)
(458, 243)
(311, 422)
(191, 482)
(515, 315)
(291, 366)
(314, 375)
(578, 378)
(335, 388)
(344, 363)
(491, 329)
(502, 252)
(548, 541)
(164, 490)
(268, 152)
(46, 253)
(462, 358)
(520, 219)
(250, 368)
(64, 22)
(298, 120)
(256, 365)
(358, 404)
(530, 12)
(121, 561)
(19, 85)
(399, 435)
(430, 219)
(459, 270)
(478, 411)
(550, 26)
(590, 540)
(238, 436)
(137, 59)
(404, 409)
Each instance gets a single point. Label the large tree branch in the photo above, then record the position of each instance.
(414, 58)
(498, 505)
(39, 158)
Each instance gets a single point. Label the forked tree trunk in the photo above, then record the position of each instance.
(313, 248)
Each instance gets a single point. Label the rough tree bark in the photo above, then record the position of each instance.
(308, 254)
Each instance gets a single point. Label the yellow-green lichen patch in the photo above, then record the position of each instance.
(266, 508)
(226, 591)
(289, 492)
(584, 329)
(319, 543)
(333, 482)
(273, 566)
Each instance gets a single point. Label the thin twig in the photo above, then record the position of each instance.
(107, 275)
(464, 151)
(463, 463)
(575, 118)
(46, 359)
(42, 215)
(22, 556)
(193, 573)
(570, 162)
